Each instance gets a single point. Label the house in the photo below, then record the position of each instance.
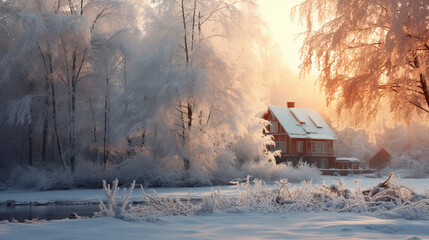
(301, 134)
(380, 160)
(346, 163)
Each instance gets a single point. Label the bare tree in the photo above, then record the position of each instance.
(48, 64)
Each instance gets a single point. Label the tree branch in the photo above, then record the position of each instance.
(417, 105)
(100, 15)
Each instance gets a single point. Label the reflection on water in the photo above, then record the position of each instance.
(47, 212)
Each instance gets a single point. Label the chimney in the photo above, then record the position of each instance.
(290, 104)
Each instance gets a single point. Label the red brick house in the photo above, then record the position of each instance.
(301, 134)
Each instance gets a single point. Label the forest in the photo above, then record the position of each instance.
(165, 92)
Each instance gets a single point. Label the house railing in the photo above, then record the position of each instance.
(330, 151)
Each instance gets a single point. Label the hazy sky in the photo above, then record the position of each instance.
(284, 31)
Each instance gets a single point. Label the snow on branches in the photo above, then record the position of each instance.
(371, 54)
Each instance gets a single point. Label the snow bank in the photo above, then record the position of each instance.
(245, 225)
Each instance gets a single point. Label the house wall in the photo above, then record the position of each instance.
(346, 165)
(280, 136)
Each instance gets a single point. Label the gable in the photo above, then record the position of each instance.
(302, 123)
(288, 122)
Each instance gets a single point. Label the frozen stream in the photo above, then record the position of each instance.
(46, 212)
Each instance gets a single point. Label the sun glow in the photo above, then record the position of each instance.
(286, 32)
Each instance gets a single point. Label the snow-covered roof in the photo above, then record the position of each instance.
(347, 159)
(302, 123)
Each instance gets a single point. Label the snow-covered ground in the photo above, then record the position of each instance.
(236, 223)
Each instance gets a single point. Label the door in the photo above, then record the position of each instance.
(324, 163)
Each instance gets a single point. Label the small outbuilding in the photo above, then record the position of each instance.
(380, 160)
(346, 163)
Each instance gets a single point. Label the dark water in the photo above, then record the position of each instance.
(47, 212)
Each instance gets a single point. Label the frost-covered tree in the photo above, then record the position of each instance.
(354, 143)
(372, 54)
(54, 45)
(198, 94)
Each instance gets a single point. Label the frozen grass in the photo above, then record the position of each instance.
(388, 198)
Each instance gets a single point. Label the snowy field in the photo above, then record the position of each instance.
(234, 223)
(237, 225)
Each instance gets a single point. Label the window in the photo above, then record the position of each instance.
(317, 124)
(315, 147)
(343, 166)
(319, 147)
(299, 146)
(274, 127)
(280, 146)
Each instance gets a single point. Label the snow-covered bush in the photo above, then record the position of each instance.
(388, 198)
(39, 178)
(53, 177)
(113, 208)
(272, 171)
(150, 174)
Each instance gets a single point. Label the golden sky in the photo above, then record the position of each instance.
(285, 32)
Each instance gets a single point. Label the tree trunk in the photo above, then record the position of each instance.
(128, 152)
(143, 137)
(94, 132)
(30, 132)
(73, 128)
(52, 148)
(190, 113)
(54, 116)
(424, 84)
(81, 7)
(73, 113)
(106, 124)
(193, 25)
(199, 26)
(185, 34)
(45, 133)
(45, 140)
(186, 162)
(30, 144)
